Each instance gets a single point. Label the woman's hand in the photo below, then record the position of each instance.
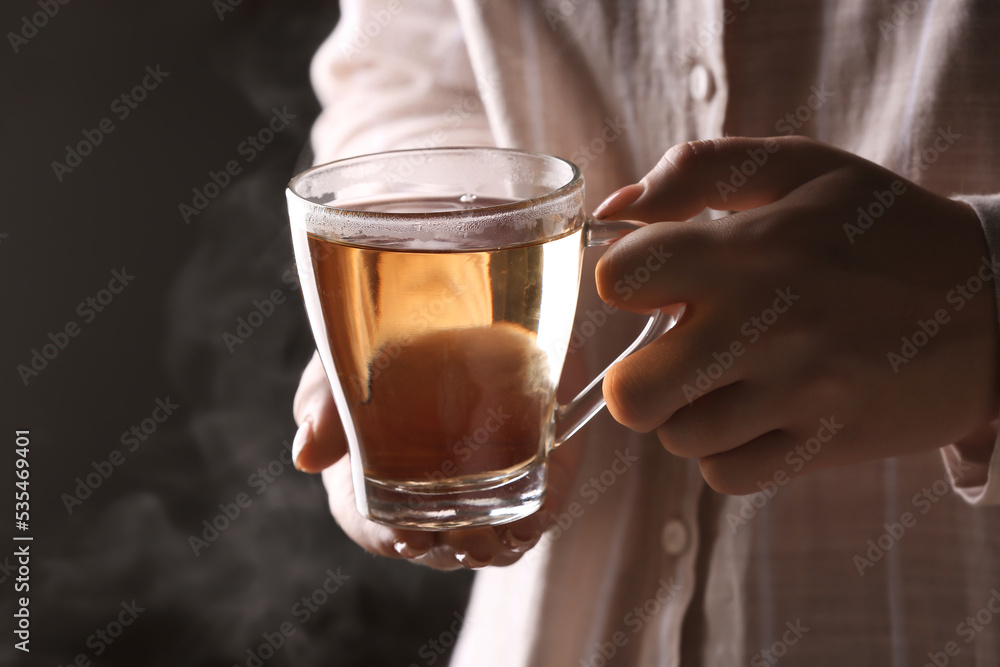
(842, 314)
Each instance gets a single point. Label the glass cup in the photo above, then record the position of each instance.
(441, 286)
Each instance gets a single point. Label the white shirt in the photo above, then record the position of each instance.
(874, 564)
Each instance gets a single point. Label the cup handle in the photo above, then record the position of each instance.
(572, 416)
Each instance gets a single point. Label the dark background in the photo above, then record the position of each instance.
(161, 338)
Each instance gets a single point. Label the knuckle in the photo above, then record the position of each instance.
(677, 438)
(622, 395)
(779, 235)
(724, 477)
(829, 385)
(681, 156)
(687, 156)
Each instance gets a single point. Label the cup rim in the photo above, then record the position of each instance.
(574, 182)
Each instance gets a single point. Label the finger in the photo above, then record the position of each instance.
(722, 419)
(521, 536)
(373, 537)
(320, 440)
(505, 544)
(752, 467)
(736, 173)
(729, 174)
(698, 355)
(470, 548)
(474, 548)
(664, 263)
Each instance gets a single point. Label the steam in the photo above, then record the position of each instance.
(222, 602)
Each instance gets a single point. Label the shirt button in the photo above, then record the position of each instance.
(674, 537)
(700, 83)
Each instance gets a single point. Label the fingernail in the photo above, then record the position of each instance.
(619, 199)
(406, 551)
(470, 562)
(302, 437)
(519, 540)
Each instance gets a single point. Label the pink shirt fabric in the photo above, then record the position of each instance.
(894, 562)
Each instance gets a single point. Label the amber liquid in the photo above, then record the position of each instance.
(448, 360)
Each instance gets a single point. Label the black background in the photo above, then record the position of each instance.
(161, 337)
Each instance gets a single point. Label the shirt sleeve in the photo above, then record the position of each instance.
(973, 463)
(395, 74)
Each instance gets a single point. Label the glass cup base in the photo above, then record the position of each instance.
(444, 505)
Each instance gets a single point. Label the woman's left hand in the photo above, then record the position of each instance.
(842, 314)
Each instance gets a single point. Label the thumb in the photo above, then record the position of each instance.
(729, 174)
(320, 441)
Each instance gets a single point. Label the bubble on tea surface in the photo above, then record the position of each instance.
(468, 198)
